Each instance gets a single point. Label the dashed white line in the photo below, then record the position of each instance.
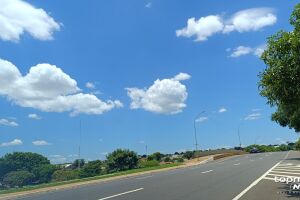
(206, 171)
(116, 195)
(237, 164)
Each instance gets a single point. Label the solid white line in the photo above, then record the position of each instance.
(283, 175)
(267, 178)
(284, 172)
(116, 195)
(206, 171)
(288, 170)
(254, 183)
(286, 155)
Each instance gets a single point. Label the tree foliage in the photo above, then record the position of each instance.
(280, 81)
(18, 178)
(122, 159)
(92, 168)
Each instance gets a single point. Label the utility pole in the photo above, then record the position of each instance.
(240, 143)
(79, 156)
(195, 130)
(146, 150)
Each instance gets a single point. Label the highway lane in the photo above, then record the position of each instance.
(211, 181)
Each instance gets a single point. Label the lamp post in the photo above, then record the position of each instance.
(195, 129)
(239, 136)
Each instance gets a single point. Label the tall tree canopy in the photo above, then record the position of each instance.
(280, 81)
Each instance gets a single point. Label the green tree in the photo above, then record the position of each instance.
(297, 145)
(156, 156)
(25, 161)
(189, 154)
(18, 178)
(122, 159)
(78, 163)
(43, 173)
(92, 168)
(280, 81)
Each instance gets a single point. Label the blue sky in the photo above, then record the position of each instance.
(97, 61)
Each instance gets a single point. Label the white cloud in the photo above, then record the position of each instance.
(221, 110)
(6, 122)
(148, 5)
(244, 50)
(243, 21)
(90, 85)
(253, 116)
(18, 17)
(47, 88)
(166, 96)
(201, 119)
(40, 143)
(34, 116)
(201, 28)
(251, 20)
(15, 142)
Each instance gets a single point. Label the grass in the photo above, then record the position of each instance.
(133, 171)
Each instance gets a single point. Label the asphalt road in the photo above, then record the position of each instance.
(217, 180)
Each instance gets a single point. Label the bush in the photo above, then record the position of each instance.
(189, 154)
(148, 163)
(167, 159)
(122, 159)
(18, 178)
(65, 175)
(43, 174)
(92, 168)
(180, 160)
(156, 156)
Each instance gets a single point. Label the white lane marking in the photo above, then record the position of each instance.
(257, 180)
(254, 183)
(286, 155)
(206, 171)
(237, 164)
(287, 170)
(281, 175)
(116, 195)
(251, 160)
(260, 158)
(267, 178)
(144, 177)
(284, 172)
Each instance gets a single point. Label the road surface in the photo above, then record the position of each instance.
(217, 180)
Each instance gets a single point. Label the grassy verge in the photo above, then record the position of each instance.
(27, 188)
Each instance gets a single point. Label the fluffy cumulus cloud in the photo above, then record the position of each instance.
(201, 28)
(245, 50)
(18, 17)
(14, 142)
(90, 85)
(243, 21)
(166, 96)
(40, 143)
(47, 88)
(7, 122)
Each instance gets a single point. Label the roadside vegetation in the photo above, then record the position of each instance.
(25, 170)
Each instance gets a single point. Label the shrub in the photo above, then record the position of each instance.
(122, 159)
(148, 163)
(18, 178)
(92, 168)
(43, 173)
(189, 154)
(65, 175)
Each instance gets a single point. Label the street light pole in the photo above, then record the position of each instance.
(240, 143)
(195, 130)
